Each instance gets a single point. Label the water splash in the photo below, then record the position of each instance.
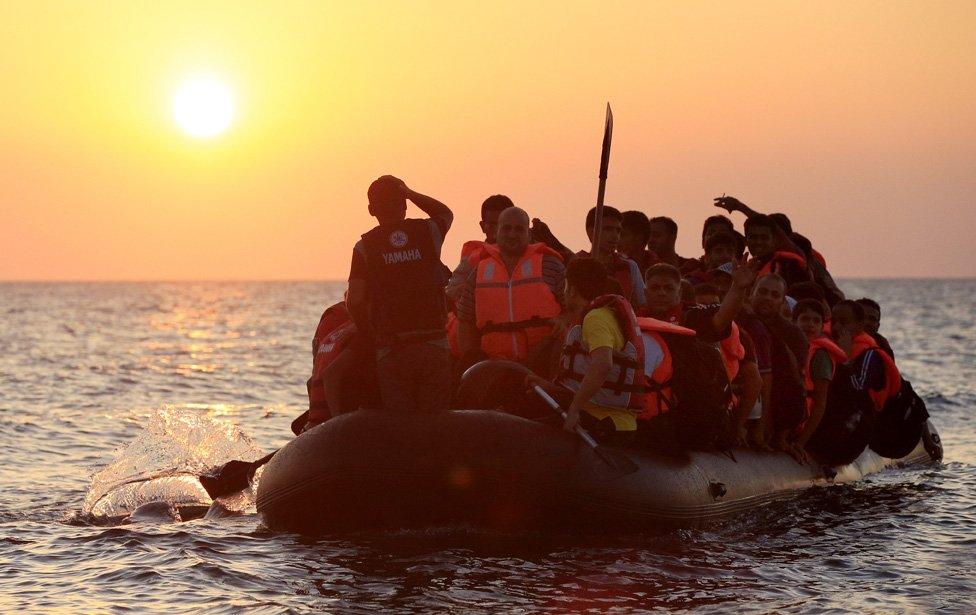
(163, 462)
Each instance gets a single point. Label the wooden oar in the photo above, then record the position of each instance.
(601, 191)
(616, 460)
(232, 477)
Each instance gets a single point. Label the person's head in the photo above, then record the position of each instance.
(720, 248)
(663, 233)
(610, 233)
(706, 294)
(635, 229)
(513, 234)
(810, 316)
(721, 279)
(872, 314)
(387, 202)
(760, 234)
(783, 222)
(663, 288)
(846, 317)
(490, 210)
(768, 295)
(803, 243)
(586, 279)
(716, 224)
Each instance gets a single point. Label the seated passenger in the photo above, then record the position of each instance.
(720, 248)
(622, 269)
(872, 322)
(635, 230)
(492, 207)
(769, 243)
(663, 235)
(874, 371)
(783, 348)
(821, 362)
(508, 302)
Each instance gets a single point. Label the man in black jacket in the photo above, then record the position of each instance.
(396, 296)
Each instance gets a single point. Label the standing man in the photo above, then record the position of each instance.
(396, 296)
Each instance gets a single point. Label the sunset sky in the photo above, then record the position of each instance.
(856, 119)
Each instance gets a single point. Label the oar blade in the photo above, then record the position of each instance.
(232, 477)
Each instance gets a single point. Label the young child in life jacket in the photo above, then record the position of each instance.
(821, 363)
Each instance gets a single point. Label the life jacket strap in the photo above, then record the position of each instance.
(511, 327)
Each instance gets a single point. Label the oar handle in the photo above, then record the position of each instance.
(546, 397)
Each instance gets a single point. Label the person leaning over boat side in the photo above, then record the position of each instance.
(872, 322)
(396, 295)
(511, 296)
(784, 346)
(821, 363)
(600, 380)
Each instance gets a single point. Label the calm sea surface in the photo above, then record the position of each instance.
(86, 368)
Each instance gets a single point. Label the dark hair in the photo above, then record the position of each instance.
(721, 239)
(706, 289)
(637, 223)
(856, 308)
(687, 291)
(717, 219)
(783, 222)
(588, 276)
(663, 269)
(871, 303)
(740, 243)
(385, 196)
(806, 290)
(608, 212)
(803, 243)
(496, 202)
(670, 224)
(760, 221)
(810, 305)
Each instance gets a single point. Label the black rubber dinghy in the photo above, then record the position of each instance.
(374, 469)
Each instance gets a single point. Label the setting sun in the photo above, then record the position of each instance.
(203, 107)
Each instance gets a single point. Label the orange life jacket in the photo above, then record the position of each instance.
(471, 252)
(863, 342)
(732, 352)
(334, 332)
(659, 398)
(513, 312)
(624, 386)
(779, 259)
(836, 354)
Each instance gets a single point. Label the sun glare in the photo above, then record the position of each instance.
(203, 107)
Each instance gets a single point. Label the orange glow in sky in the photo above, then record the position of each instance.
(856, 119)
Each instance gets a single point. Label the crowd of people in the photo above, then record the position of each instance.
(749, 344)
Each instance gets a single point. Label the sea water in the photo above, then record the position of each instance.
(111, 393)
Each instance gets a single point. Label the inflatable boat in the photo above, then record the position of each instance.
(375, 469)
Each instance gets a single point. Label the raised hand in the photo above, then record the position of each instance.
(729, 203)
(744, 272)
